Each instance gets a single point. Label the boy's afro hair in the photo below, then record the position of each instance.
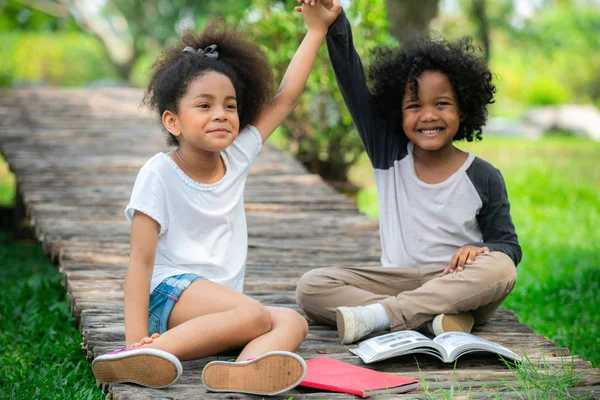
(468, 73)
(240, 59)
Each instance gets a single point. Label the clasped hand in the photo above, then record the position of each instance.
(464, 256)
(146, 340)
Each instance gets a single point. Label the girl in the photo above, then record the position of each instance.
(448, 240)
(183, 288)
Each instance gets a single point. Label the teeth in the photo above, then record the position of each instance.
(430, 131)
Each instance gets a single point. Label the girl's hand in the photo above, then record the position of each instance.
(146, 340)
(464, 256)
(319, 17)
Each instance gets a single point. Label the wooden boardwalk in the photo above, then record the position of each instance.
(76, 153)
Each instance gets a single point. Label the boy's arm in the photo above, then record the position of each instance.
(495, 222)
(380, 142)
(144, 237)
(297, 73)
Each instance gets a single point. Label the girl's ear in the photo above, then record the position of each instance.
(170, 121)
(461, 116)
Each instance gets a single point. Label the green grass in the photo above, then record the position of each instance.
(7, 185)
(554, 190)
(533, 380)
(40, 346)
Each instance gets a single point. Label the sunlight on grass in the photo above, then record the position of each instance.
(554, 190)
(7, 185)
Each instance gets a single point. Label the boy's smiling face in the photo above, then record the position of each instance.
(431, 119)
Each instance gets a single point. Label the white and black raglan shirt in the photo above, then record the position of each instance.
(421, 224)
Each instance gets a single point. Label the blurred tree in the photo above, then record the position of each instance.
(129, 28)
(568, 36)
(479, 14)
(14, 16)
(410, 18)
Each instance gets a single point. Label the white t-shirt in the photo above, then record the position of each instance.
(202, 226)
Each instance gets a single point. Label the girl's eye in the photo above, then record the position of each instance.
(232, 106)
(412, 106)
(203, 105)
(443, 103)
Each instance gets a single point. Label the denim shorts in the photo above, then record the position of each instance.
(163, 299)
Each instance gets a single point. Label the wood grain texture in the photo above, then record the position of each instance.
(76, 153)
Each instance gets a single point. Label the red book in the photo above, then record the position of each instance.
(338, 376)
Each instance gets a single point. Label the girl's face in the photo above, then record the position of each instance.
(207, 119)
(431, 120)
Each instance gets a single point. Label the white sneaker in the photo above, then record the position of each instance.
(442, 323)
(270, 374)
(147, 367)
(354, 323)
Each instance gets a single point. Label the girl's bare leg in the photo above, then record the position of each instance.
(209, 318)
(288, 330)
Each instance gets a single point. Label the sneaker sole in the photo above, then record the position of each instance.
(147, 367)
(268, 375)
(453, 323)
(345, 322)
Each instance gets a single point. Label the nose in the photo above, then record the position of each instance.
(219, 114)
(429, 114)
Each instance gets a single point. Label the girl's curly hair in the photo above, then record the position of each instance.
(241, 60)
(393, 69)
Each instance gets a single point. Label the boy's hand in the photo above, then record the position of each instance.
(146, 340)
(318, 17)
(325, 3)
(464, 256)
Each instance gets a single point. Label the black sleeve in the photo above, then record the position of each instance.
(495, 222)
(381, 146)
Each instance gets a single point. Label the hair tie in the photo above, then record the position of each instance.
(209, 51)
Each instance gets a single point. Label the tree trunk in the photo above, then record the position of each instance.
(409, 18)
(483, 26)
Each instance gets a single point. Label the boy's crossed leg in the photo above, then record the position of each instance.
(410, 297)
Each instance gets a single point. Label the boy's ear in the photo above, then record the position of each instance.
(169, 120)
(461, 116)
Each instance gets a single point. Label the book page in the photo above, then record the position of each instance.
(394, 344)
(459, 343)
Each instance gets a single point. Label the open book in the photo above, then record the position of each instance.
(447, 346)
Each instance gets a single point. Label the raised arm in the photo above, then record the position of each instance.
(382, 143)
(317, 19)
(347, 66)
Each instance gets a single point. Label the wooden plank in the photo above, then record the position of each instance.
(76, 153)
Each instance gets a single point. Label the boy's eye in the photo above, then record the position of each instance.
(203, 105)
(443, 103)
(412, 106)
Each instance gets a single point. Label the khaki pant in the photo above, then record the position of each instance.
(410, 296)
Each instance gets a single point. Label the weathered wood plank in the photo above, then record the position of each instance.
(76, 153)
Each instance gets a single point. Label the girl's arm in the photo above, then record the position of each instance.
(144, 237)
(295, 77)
